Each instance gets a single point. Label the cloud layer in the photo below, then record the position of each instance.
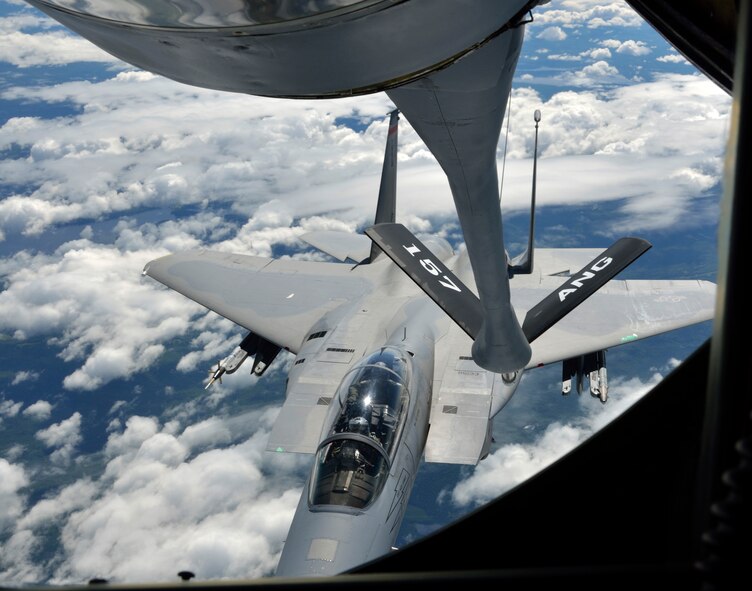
(205, 498)
(29, 39)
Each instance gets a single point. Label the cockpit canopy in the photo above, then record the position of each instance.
(365, 421)
(372, 395)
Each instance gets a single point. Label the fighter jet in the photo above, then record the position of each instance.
(383, 375)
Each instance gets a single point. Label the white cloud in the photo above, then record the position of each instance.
(632, 47)
(24, 376)
(629, 47)
(599, 69)
(655, 145)
(73, 497)
(599, 53)
(207, 498)
(592, 14)
(38, 411)
(673, 106)
(561, 57)
(25, 41)
(14, 452)
(63, 437)
(116, 323)
(117, 406)
(595, 75)
(94, 298)
(611, 43)
(695, 180)
(212, 344)
(48, 49)
(145, 140)
(552, 34)
(9, 408)
(13, 479)
(16, 562)
(672, 58)
(31, 19)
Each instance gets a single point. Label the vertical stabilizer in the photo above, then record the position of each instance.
(387, 204)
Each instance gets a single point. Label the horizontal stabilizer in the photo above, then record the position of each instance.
(343, 246)
(431, 275)
(582, 285)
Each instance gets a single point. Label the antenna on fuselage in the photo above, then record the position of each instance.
(523, 263)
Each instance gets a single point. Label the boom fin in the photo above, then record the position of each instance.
(387, 203)
(430, 274)
(464, 307)
(582, 285)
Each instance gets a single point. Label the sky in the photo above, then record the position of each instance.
(114, 460)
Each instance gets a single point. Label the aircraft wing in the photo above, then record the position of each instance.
(277, 299)
(619, 312)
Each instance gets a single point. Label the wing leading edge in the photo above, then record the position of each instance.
(277, 299)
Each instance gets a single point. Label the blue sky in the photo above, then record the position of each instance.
(114, 461)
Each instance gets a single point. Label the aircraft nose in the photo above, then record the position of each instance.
(330, 543)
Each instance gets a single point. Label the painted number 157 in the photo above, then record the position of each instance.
(431, 267)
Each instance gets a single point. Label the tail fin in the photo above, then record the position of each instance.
(387, 204)
(522, 264)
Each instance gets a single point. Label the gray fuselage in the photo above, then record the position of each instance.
(351, 509)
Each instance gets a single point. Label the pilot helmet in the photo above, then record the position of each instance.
(358, 425)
